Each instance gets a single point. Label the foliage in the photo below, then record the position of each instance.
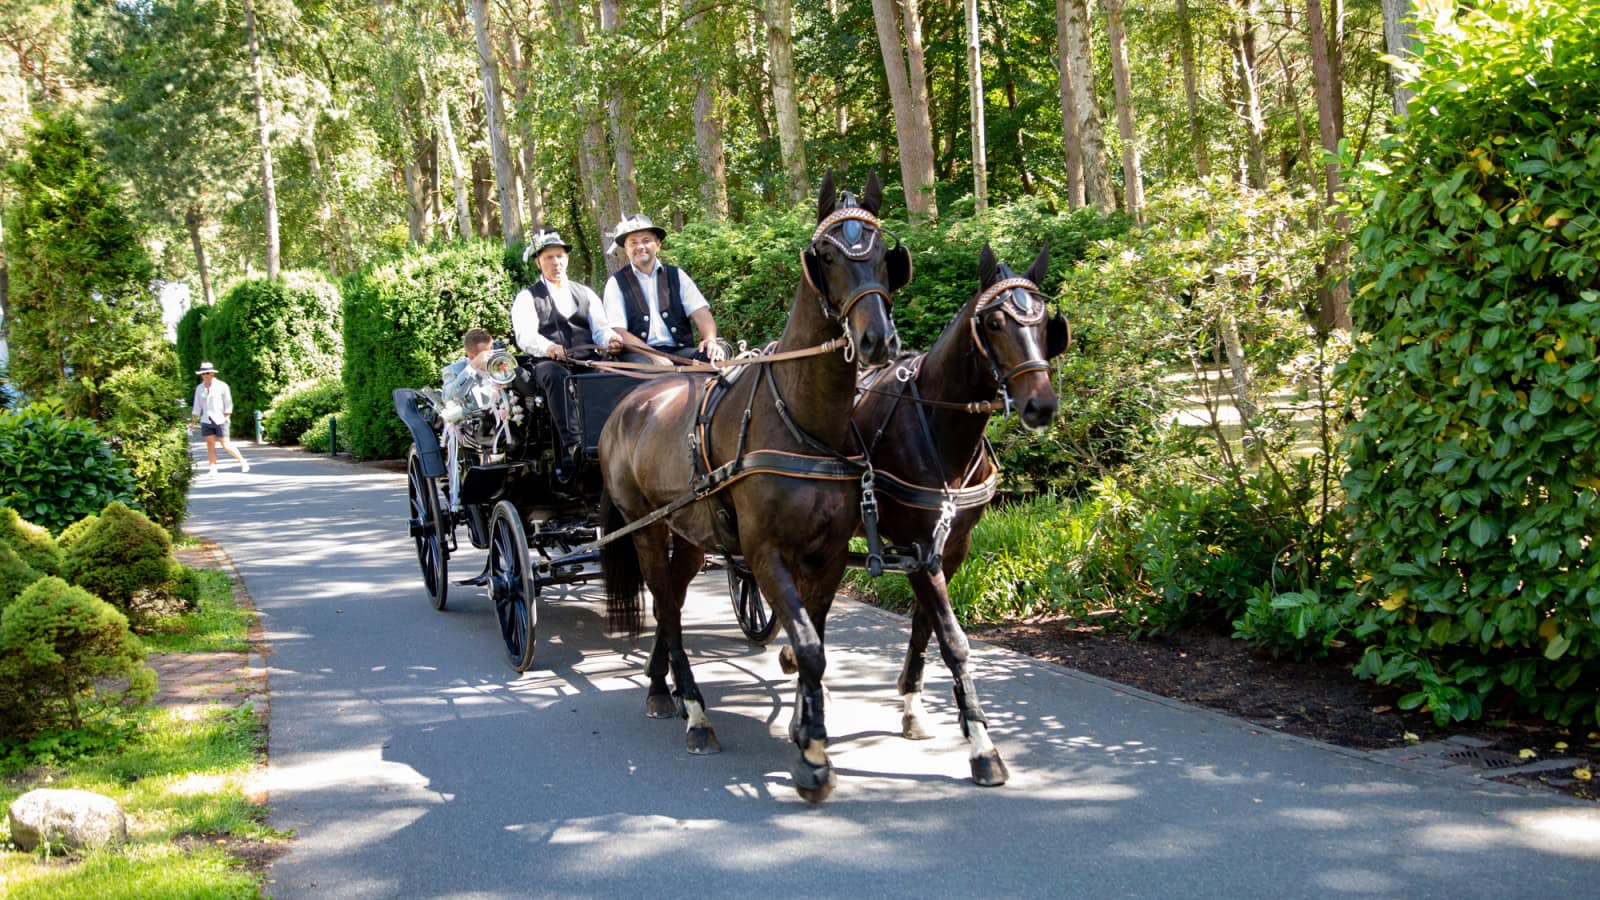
(300, 406)
(1472, 489)
(31, 542)
(55, 470)
(58, 646)
(214, 621)
(122, 558)
(1299, 624)
(70, 534)
(318, 438)
(146, 412)
(80, 305)
(266, 335)
(403, 321)
(190, 337)
(15, 574)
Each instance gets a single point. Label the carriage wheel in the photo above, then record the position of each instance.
(427, 529)
(749, 607)
(511, 585)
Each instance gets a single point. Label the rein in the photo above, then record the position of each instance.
(651, 370)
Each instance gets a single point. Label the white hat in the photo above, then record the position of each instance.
(636, 223)
(206, 367)
(542, 241)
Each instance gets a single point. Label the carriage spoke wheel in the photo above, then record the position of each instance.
(427, 530)
(511, 585)
(749, 607)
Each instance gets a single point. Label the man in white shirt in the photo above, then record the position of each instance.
(213, 409)
(555, 319)
(656, 302)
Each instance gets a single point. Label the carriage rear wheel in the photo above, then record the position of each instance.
(427, 530)
(511, 585)
(749, 607)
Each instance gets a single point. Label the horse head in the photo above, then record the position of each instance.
(854, 272)
(1014, 332)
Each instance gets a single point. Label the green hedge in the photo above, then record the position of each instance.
(1473, 485)
(55, 470)
(403, 321)
(265, 335)
(301, 406)
(146, 415)
(191, 338)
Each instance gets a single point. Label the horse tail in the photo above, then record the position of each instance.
(619, 561)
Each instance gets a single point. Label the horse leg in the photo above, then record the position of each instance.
(685, 563)
(652, 546)
(813, 774)
(913, 719)
(988, 769)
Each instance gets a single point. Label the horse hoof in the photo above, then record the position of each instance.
(813, 783)
(911, 729)
(701, 741)
(989, 770)
(660, 706)
(787, 661)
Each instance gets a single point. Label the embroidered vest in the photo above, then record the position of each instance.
(668, 299)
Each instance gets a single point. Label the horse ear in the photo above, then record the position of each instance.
(988, 266)
(872, 195)
(1057, 336)
(898, 259)
(1040, 267)
(825, 196)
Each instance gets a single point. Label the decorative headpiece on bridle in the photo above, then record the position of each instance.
(1018, 299)
(855, 231)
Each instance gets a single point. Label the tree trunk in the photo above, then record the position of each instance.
(1398, 35)
(1291, 99)
(621, 115)
(1097, 185)
(908, 94)
(1191, 93)
(708, 124)
(785, 102)
(531, 188)
(980, 168)
(327, 225)
(1122, 82)
(1335, 297)
(1242, 38)
(269, 193)
(1071, 147)
(192, 219)
(494, 124)
(457, 177)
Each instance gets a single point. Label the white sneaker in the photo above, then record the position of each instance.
(213, 470)
(244, 466)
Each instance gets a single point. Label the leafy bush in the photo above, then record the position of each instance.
(30, 541)
(122, 558)
(190, 337)
(319, 436)
(301, 406)
(70, 534)
(15, 574)
(54, 470)
(1299, 624)
(146, 415)
(403, 320)
(265, 335)
(1473, 493)
(62, 650)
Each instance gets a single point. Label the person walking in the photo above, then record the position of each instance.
(657, 302)
(213, 408)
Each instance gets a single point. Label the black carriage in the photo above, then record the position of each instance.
(487, 456)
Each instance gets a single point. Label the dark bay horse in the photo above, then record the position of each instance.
(923, 420)
(780, 490)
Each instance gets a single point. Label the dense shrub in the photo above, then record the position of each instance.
(15, 574)
(264, 335)
(31, 542)
(70, 534)
(146, 416)
(1473, 491)
(300, 406)
(121, 558)
(190, 337)
(54, 470)
(319, 436)
(62, 654)
(403, 320)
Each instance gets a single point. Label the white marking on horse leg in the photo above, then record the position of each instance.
(697, 715)
(816, 753)
(912, 709)
(978, 738)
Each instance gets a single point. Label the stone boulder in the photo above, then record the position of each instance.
(71, 820)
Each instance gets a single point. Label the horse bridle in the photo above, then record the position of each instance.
(1018, 299)
(860, 230)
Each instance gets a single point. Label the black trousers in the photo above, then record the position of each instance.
(552, 378)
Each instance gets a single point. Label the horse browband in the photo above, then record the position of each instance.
(822, 231)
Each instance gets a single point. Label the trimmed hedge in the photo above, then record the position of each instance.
(121, 556)
(403, 321)
(1473, 492)
(15, 575)
(146, 416)
(190, 338)
(265, 335)
(55, 470)
(301, 406)
(30, 542)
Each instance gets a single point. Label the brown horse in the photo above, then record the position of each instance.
(925, 436)
(766, 466)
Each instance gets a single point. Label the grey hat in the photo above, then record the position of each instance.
(543, 241)
(636, 223)
(206, 367)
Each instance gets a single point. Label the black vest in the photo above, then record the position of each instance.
(569, 332)
(638, 307)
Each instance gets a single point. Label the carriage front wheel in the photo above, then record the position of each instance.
(427, 530)
(511, 585)
(749, 607)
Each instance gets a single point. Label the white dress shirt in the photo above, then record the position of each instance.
(525, 316)
(659, 336)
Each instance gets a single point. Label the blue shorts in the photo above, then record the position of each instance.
(212, 428)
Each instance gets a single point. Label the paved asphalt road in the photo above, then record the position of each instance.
(410, 761)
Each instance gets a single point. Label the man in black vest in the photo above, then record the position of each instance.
(555, 319)
(656, 302)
